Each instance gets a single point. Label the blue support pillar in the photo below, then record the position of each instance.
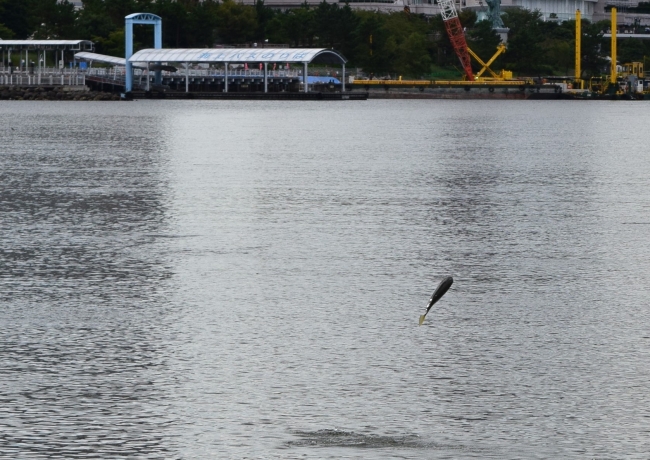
(128, 35)
(266, 77)
(140, 18)
(158, 45)
(304, 77)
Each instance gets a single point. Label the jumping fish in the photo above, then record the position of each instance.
(437, 294)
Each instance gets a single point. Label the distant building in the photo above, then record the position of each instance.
(625, 17)
(554, 10)
(551, 10)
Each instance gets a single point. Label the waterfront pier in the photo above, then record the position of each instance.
(257, 73)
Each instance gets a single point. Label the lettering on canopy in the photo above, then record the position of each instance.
(300, 55)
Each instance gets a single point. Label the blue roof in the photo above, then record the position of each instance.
(311, 80)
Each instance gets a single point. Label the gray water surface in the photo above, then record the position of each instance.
(214, 279)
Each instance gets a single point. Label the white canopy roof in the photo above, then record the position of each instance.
(234, 55)
(100, 58)
(46, 44)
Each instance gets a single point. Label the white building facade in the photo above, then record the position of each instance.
(551, 10)
(559, 10)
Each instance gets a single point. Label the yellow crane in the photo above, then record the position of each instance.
(501, 76)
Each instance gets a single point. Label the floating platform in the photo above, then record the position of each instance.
(458, 89)
(520, 93)
(507, 89)
(443, 83)
(257, 96)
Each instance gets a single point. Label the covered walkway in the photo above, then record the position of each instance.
(103, 58)
(55, 49)
(252, 57)
(41, 62)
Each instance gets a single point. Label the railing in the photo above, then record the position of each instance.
(42, 79)
(235, 73)
(36, 70)
(109, 79)
(119, 72)
(367, 1)
(76, 77)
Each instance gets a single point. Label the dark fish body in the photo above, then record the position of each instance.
(442, 288)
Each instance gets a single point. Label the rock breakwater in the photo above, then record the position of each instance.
(41, 93)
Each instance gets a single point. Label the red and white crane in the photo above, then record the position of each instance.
(456, 34)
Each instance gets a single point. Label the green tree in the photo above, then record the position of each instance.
(374, 50)
(443, 52)
(300, 26)
(323, 19)
(51, 19)
(525, 53)
(345, 26)
(14, 14)
(113, 45)
(560, 54)
(93, 20)
(407, 45)
(414, 59)
(175, 22)
(237, 22)
(483, 40)
(5, 32)
(630, 49)
(276, 29)
(467, 18)
(265, 16)
(202, 24)
(594, 46)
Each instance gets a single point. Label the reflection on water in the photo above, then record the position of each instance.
(243, 279)
(339, 438)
